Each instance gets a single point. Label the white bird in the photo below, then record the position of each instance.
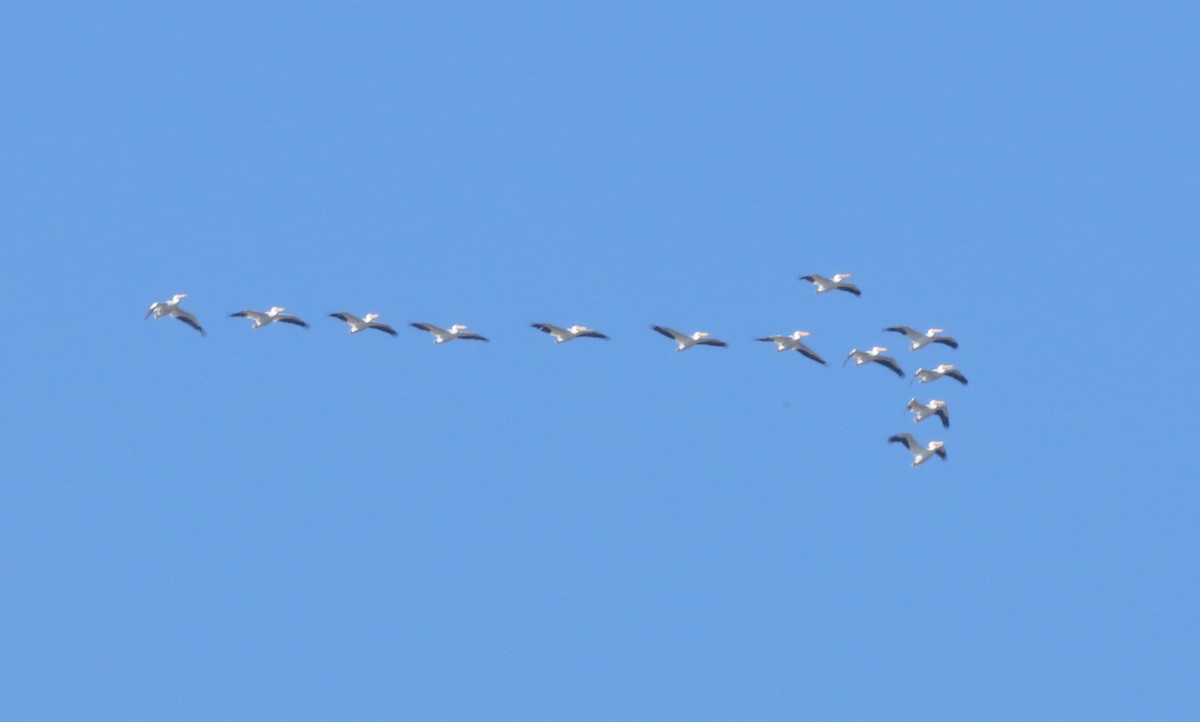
(927, 375)
(921, 340)
(793, 343)
(442, 335)
(566, 334)
(699, 338)
(832, 284)
(171, 308)
(933, 408)
(262, 318)
(361, 324)
(873, 355)
(921, 454)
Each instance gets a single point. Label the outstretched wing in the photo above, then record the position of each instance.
(343, 316)
(592, 334)
(890, 363)
(809, 353)
(945, 417)
(550, 329)
(190, 320)
(957, 376)
(849, 288)
(946, 340)
(907, 440)
(941, 451)
(383, 327)
(711, 342)
(668, 332)
(470, 337)
(292, 320)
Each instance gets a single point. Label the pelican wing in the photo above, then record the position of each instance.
(347, 317)
(957, 376)
(890, 363)
(470, 336)
(809, 353)
(255, 315)
(941, 451)
(292, 320)
(592, 334)
(907, 440)
(911, 333)
(552, 329)
(190, 320)
(946, 340)
(848, 288)
(711, 342)
(430, 328)
(382, 327)
(944, 415)
(670, 333)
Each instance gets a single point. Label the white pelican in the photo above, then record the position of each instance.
(566, 334)
(699, 338)
(872, 355)
(171, 308)
(921, 454)
(361, 324)
(793, 342)
(927, 375)
(837, 283)
(442, 335)
(921, 340)
(262, 318)
(933, 408)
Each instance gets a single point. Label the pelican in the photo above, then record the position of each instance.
(933, 408)
(837, 283)
(264, 318)
(921, 340)
(699, 338)
(927, 375)
(441, 335)
(566, 334)
(171, 308)
(921, 454)
(793, 342)
(361, 324)
(866, 357)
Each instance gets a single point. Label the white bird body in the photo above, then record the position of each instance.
(933, 374)
(171, 308)
(561, 334)
(921, 454)
(362, 324)
(793, 342)
(264, 318)
(445, 335)
(874, 355)
(933, 408)
(684, 342)
(921, 340)
(837, 283)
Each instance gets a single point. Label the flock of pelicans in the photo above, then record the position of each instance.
(683, 342)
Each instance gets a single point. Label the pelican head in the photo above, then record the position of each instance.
(800, 334)
(935, 445)
(457, 327)
(699, 335)
(838, 278)
(275, 310)
(178, 297)
(370, 317)
(933, 331)
(945, 367)
(878, 350)
(577, 329)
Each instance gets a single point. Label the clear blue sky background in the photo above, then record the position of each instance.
(291, 524)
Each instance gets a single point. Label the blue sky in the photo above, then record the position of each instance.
(290, 524)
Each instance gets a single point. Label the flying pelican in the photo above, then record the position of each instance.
(566, 334)
(275, 314)
(837, 283)
(361, 324)
(933, 408)
(699, 338)
(921, 454)
(171, 308)
(927, 375)
(866, 357)
(793, 342)
(441, 335)
(921, 340)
